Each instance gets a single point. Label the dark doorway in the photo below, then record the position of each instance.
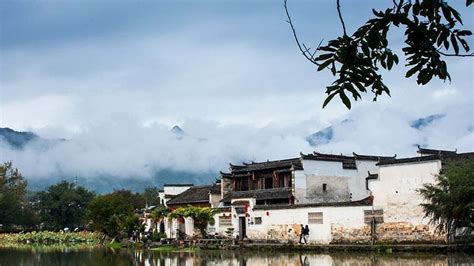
(242, 228)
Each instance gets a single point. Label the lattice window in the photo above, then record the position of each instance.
(315, 218)
(225, 221)
(258, 220)
(377, 215)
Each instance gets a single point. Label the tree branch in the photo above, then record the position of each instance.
(306, 51)
(340, 17)
(458, 55)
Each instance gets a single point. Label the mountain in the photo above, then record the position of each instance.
(109, 183)
(423, 122)
(178, 132)
(102, 183)
(325, 135)
(321, 137)
(16, 139)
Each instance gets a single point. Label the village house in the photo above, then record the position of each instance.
(356, 199)
(396, 198)
(198, 196)
(295, 188)
(171, 190)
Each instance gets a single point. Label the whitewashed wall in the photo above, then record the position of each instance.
(276, 223)
(395, 190)
(342, 184)
(346, 217)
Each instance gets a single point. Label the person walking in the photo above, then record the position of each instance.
(306, 234)
(302, 230)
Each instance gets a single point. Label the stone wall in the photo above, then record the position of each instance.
(392, 232)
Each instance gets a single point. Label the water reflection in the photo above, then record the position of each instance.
(297, 259)
(102, 256)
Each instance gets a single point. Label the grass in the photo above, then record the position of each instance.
(48, 238)
(114, 245)
(165, 248)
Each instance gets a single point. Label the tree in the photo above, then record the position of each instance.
(135, 199)
(431, 32)
(157, 216)
(112, 214)
(150, 194)
(201, 216)
(63, 205)
(14, 208)
(450, 201)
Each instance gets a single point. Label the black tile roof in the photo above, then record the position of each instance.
(435, 152)
(326, 157)
(363, 202)
(372, 157)
(196, 194)
(372, 176)
(342, 158)
(178, 185)
(261, 194)
(440, 156)
(268, 165)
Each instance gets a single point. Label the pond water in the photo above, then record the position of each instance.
(103, 256)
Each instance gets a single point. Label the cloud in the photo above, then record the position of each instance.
(230, 77)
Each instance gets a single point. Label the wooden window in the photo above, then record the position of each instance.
(268, 182)
(244, 184)
(377, 215)
(315, 218)
(325, 187)
(225, 221)
(281, 181)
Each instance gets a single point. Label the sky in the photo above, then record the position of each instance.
(113, 77)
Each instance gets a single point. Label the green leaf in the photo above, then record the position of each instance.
(456, 14)
(345, 99)
(413, 70)
(390, 62)
(424, 76)
(464, 44)
(333, 68)
(327, 49)
(328, 99)
(464, 33)
(455, 44)
(325, 64)
(324, 57)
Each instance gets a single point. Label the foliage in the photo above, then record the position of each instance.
(112, 214)
(14, 208)
(47, 237)
(431, 30)
(150, 194)
(157, 236)
(201, 216)
(159, 213)
(63, 205)
(136, 199)
(450, 201)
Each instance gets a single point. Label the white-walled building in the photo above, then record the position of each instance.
(343, 199)
(171, 190)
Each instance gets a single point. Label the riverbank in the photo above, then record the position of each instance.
(50, 238)
(221, 244)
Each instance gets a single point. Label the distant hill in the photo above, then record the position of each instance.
(16, 139)
(420, 123)
(103, 183)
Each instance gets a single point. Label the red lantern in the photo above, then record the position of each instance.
(268, 213)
